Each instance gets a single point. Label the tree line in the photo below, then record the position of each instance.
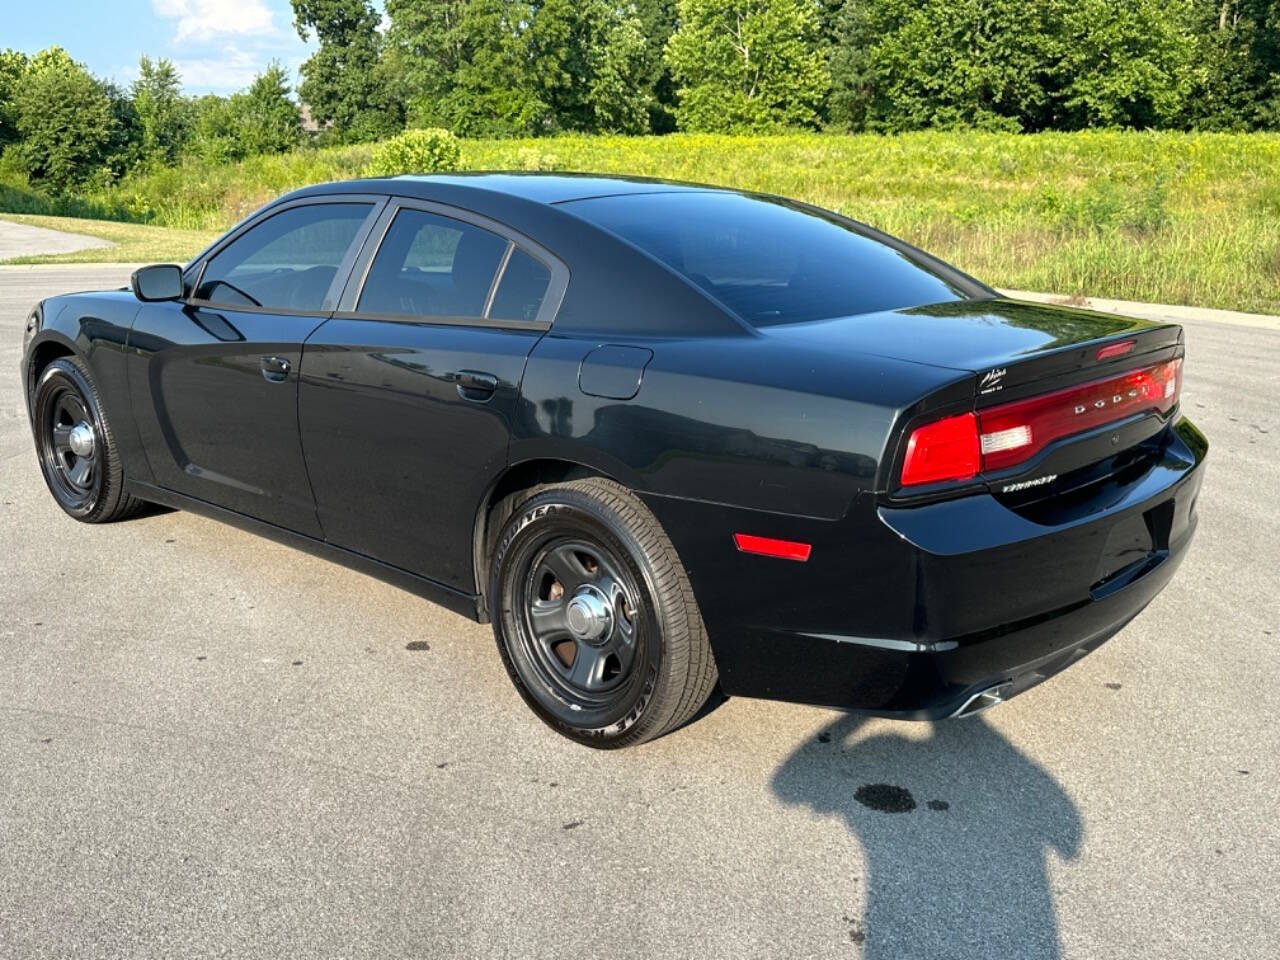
(505, 68)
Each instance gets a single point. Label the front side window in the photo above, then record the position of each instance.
(768, 261)
(432, 266)
(286, 262)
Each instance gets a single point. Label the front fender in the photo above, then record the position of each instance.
(95, 328)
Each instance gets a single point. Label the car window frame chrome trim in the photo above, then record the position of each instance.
(497, 279)
(376, 202)
(557, 283)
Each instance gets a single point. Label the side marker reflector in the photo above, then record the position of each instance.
(769, 547)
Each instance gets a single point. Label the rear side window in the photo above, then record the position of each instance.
(768, 261)
(520, 292)
(429, 265)
(286, 262)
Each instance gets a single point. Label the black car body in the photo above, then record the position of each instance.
(626, 334)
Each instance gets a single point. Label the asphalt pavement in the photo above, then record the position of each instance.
(21, 240)
(212, 745)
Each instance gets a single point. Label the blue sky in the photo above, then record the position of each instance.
(217, 45)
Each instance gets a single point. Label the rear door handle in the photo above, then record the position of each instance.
(276, 369)
(474, 385)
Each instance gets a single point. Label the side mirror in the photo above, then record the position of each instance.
(160, 282)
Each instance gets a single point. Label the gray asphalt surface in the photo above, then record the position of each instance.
(21, 240)
(211, 745)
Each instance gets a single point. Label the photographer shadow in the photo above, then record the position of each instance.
(956, 827)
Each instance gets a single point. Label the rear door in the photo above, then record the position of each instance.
(408, 393)
(214, 380)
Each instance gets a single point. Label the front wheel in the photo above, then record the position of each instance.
(595, 618)
(77, 449)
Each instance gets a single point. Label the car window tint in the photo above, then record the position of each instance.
(287, 262)
(768, 261)
(521, 289)
(429, 265)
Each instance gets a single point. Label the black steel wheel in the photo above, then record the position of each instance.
(595, 618)
(76, 448)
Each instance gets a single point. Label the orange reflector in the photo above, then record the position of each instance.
(769, 547)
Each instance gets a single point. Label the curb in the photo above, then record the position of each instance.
(1153, 311)
(65, 265)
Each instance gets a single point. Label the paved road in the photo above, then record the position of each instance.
(213, 745)
(21, 240)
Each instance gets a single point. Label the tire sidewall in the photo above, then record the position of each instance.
(546, 517)
(62, 373)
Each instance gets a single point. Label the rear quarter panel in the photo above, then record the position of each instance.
(741, 434)
(735, 420)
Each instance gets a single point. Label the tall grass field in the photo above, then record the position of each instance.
(1163, 217)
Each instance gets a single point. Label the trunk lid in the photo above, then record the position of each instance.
(1014, 351)
(1007, 343)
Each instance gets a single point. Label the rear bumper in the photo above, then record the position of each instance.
(909, 612)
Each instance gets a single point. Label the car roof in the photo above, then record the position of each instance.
(545, 188)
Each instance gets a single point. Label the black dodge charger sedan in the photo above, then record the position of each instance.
(663, 436)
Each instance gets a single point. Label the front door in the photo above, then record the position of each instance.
(214, 380)
(408, 395)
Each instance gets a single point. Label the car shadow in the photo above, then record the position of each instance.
(956, 827)
(149, 509)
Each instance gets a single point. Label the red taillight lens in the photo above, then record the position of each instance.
(944, 450)
(959, 448)
(1014, 432)
(1112, 350)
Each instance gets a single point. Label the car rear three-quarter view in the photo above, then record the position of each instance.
(663, 436)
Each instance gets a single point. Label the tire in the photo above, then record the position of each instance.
(594, 616)
(77, 450)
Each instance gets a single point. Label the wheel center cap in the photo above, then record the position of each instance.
(588, 616)
(81, 440)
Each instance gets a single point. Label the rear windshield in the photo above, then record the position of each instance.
(766, 260)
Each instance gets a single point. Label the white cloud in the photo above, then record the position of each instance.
(232, 69)
(202, 19)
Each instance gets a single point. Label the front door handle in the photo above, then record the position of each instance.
(276, 369)
(474, 385)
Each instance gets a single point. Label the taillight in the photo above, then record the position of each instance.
(943, 450)
(961, 447)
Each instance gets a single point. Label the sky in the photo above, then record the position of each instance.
(218, 46)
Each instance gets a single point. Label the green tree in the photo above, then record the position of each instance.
(747, 64)
(163, 115)
(658, 23)
(590, 66)
(344, 82)
(66, 123)
(512, 67)
(621, 93)
(426, 46)
(123, 150)
(264, 119)
(1125, 63)
(494, 92)
(1008, 64)
(908, 64)
(213, 130)
(13, 65)
(1238, 84)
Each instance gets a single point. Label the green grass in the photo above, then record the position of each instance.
(1164, 217)
(133, 242)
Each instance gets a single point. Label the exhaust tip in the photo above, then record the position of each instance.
(985, 699)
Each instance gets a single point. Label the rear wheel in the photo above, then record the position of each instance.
(77, 450)
(595, 618)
